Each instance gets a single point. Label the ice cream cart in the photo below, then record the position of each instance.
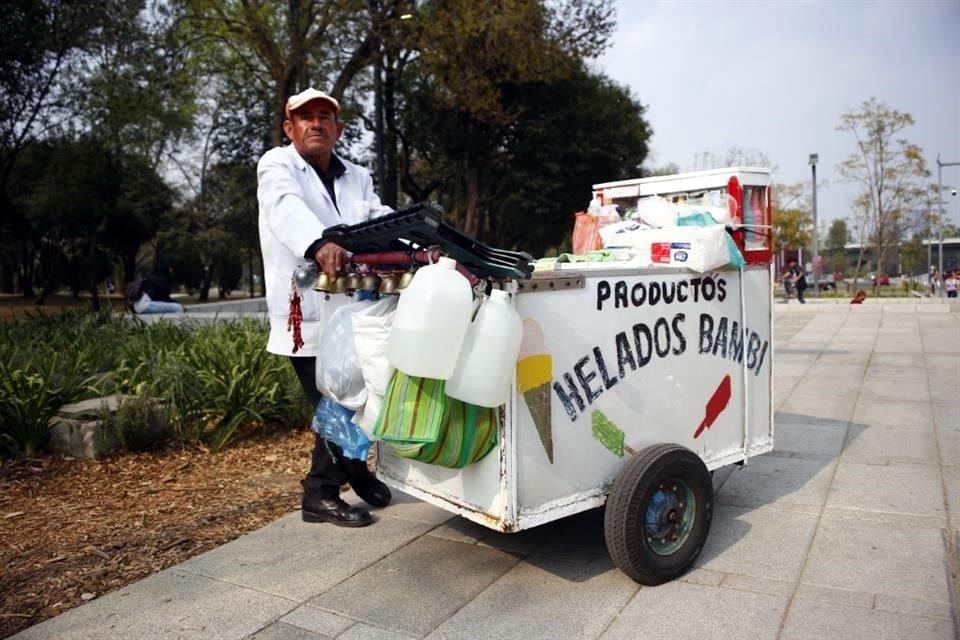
(633, 385)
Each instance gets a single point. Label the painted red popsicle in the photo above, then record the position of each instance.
(715, 406)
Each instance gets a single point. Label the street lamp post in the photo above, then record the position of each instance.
(814, 158)
(940, 166)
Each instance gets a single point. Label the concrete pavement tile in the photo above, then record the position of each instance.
(583, 531)
(857, 555)
(889, 445)
(879, 373)
(367, 632)
(843, 597)
(767, 543)
(782, 388)
(759, 585)
(845, 355)
(773, 480)
(946, 362)
(703, 577)
(948, 440)
(789, 417)
(460, 530)
(405, 507)
(945, 395)
(790, 370)
(299, 560)
(913, 490)
(544, 599)
(899, 360)
(554, 552)
(914, 607)
(838, 372)
(894, 389)
(885, 412)
(416, 588)
(951, 479)
(822, 406)
(820, 440)
(946, 415)
(281, 631)
(170, 604)
(811, 620)
(317, 621)
(828, 387)
(898, 345)
(683, 611)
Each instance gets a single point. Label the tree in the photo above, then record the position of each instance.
(791, 229)
(474, 62)
(837, 237)
(549, 176)
(913, 256)
(258, 53)
(42, 48)
(888, 169)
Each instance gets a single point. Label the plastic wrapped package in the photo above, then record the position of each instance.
(699, 249)
(334, 422)
(655, 211)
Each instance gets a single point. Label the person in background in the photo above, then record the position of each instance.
(951, 284)
(303, 188)
(859, 298)
(932, 278)
(799, 280)
(153, 294)
(787, 283)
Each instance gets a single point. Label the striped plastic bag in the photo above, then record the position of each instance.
(465, 432)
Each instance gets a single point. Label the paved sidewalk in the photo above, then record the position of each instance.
(848, 530)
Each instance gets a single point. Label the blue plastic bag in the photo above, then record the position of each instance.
(334, 422)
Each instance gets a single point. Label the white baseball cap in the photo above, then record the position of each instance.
(294, 102)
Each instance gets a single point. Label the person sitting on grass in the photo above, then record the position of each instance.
(153, 294)
(859, 297)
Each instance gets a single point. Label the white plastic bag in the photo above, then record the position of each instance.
(339, 377)
(655, 212)
(371, 333)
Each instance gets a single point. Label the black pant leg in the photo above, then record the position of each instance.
(327, 468)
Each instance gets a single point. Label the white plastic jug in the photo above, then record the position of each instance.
(489, 356)
(432, 318)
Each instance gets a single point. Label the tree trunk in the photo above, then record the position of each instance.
(391, 181)
(471, 218)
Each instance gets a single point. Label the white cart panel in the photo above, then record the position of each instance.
(638, 357)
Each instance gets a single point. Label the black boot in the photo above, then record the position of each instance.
(321, 490)
(333, 510)
(368, 487)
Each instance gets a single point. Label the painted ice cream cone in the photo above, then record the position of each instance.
(534, 378)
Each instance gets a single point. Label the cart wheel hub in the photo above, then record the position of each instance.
(669, 517)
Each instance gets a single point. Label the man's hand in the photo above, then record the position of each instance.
(331, 259)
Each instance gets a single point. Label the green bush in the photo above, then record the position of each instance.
(213, 383)
(31, 393)
(138, 421)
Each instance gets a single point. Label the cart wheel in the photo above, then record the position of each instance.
(658, 513)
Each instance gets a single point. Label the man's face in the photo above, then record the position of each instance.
(313, 129)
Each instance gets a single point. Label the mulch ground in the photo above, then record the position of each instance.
(74, 530)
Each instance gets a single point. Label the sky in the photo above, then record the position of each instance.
(775, 76)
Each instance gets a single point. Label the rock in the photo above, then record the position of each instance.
(82, 438)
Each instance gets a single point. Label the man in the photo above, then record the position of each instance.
(799, 280)
(303, 188)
